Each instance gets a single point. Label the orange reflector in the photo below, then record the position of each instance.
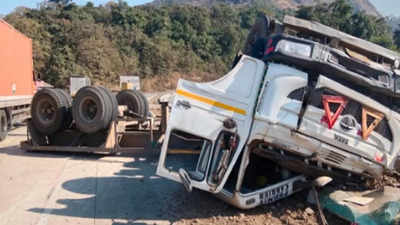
(330, 118)
(367, 129)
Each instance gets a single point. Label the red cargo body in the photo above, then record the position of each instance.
(16, 65)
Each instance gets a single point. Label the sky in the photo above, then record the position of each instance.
(385, 7)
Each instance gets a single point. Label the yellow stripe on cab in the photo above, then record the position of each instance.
(210, 102)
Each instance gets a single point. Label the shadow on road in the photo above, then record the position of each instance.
(15, 150)
(16, 135)
(134, 195)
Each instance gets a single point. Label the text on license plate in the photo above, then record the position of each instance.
(275, 194)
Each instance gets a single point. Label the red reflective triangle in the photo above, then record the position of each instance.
(330, 118)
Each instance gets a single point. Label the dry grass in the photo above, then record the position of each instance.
(169, 82)
(162, 83)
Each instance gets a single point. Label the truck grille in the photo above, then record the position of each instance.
(335, 157)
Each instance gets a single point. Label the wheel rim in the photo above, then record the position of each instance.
(131, 106)
(47, 110)
(89, 109)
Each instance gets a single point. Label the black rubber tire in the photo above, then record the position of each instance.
(108, 103)
(114, 102)
(49, 121)
(133, 101)
(68, 108)
(91, 109)
(3, 125)
(67, 97)
(145, 104)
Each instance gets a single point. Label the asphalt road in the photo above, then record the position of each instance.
(64, 188)
(56, 189)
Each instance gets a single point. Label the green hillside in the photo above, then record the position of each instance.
(158, 42)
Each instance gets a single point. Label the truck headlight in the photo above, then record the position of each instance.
(294, 48)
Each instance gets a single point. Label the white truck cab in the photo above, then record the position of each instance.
(201, 148)
(262, 131)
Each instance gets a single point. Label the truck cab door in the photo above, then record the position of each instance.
(198, 149)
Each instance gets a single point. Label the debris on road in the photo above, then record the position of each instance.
(370, 207)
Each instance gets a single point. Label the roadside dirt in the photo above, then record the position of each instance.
(64, 188)
(164, 83)
(293, 210)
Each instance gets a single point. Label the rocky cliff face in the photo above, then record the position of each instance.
(363, 5)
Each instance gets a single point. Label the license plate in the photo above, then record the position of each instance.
(275, 194)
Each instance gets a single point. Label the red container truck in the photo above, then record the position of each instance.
(17, 83)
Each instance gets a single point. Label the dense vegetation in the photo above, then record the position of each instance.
(107, 41)
(341, 16)
(157, 41)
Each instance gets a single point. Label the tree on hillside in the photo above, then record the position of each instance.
(396, 37)
(340, 15)
(103, 42)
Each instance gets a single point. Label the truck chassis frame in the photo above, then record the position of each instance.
(123, 136)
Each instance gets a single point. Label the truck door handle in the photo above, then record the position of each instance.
(184, 104)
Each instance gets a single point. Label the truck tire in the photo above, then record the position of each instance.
(145, 104)
(68, 108)
(91, 109)
(114, 102)
(134, 102)
(48, 110)
(3, 125)
(66, 96)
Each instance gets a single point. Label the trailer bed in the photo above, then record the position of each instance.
(11, 101)
(123, 136)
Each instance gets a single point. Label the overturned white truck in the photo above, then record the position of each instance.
(310, 101)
